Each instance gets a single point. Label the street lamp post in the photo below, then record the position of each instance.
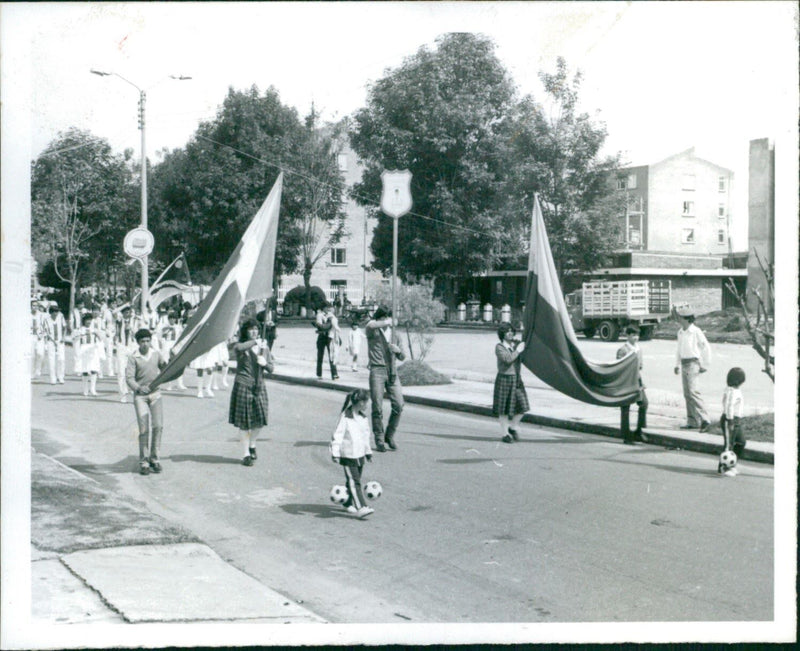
(143, 220)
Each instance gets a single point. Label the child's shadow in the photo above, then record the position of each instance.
(317, 510)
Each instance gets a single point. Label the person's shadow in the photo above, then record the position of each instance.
(317, 510)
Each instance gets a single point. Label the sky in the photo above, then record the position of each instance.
(663, 76)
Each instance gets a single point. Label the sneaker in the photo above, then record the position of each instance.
(514, 434)
(364, 511)
(155, 467)
(144, 470)
(253, 454)
(351, 509)
(730, 473)
(123, 398)
(507, 439)
(209, 393)
(94, 393)
(705, 426)
(247, 461)
(199, 394)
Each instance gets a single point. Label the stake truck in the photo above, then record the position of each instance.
(606, 307)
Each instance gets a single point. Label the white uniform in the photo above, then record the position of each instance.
(55, 335)
(37, 343)
(92, 350)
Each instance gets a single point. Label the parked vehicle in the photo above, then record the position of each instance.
(605, 307)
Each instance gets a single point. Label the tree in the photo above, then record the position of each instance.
(556, 152)
(441, 115)
(760, 327)
(418, 314)
(321, 218)
(204, 195)
(79, 190)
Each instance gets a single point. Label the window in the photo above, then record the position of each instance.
(631, 181)
(687, 236)
(342, 160)
(723, 183)
(622, 184)
(721, 236)
(339, 256)
(627, 183)
(721, 212)
(688, 182)
(688, 208)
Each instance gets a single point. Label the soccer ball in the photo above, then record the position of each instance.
(339, 494)
(727, 459)
(373, 490)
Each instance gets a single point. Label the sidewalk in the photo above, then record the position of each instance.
(472, 393)
(98, 559)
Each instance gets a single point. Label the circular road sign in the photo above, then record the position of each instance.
(138, 243)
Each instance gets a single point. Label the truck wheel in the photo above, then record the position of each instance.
(588, 332)
(609, 331)
(646, 333)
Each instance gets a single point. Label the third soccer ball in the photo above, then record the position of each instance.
(373, 490)
(728, 459)
(339, 494)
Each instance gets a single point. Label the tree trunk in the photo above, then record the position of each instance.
(307, 285)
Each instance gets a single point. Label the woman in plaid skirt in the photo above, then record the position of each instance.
(510, 399)
(249, 402)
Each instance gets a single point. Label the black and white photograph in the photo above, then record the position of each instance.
(344, 323)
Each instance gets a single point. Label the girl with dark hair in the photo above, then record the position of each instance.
(510, 400)
(350, 447)
(249, 402)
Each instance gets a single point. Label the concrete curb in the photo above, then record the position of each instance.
(654, 437)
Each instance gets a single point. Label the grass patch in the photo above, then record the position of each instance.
(415, 373)
(722, 326)
(759, 428)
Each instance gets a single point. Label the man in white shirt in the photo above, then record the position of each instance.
(55, 327)
(692, 357)
(37, 338)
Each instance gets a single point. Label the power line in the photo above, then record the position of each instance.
(364, 199)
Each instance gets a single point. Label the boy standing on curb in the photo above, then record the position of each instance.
(631, 345)
(143, 367)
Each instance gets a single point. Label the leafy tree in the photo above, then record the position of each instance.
(320, 218)
(205, 194)
(79, 190)
(441, 115)
(418, 314)
(556, 152)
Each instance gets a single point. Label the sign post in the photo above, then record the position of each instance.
(395, 202)
(138, 244)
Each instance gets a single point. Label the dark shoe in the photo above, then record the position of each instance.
(335, 377)
(514, 433)
(628, 441)
(253, 454)
(687, 426)
(507, 439)
(155, 467)
(144, 470)
(705, 426)
(247, 461)
(639, 435)
(380, 447)
(390, 442)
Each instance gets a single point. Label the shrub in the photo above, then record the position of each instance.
(417, 373)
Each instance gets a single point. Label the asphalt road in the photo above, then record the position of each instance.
(472, 351)
(559, 527)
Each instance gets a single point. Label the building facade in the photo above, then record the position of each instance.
(681, 204)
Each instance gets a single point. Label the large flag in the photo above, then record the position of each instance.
(172, 281)
(246, 276)
(551, 348)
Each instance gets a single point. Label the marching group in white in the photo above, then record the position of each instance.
(103, 340)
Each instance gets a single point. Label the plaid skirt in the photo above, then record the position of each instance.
(509, 396)
(249, 406)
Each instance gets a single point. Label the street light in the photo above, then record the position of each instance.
(142, 97)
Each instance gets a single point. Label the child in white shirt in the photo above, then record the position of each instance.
(354, 339)
(350, 447)
(732, 412)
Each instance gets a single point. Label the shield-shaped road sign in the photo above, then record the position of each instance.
(396, 195)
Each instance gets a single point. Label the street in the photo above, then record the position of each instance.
(559, 527)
